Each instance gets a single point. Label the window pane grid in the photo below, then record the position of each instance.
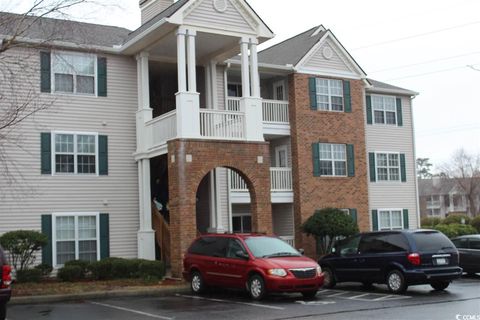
(74, 73)
(75, 154)
(333, 159)
(388, 166)
(384, 110)
(390, 220)
(329, 94)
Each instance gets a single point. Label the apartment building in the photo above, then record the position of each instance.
(184, 111)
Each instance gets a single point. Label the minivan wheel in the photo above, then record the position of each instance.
(256, 287)
(440, 285)
(197, 284)
(309, 294)
(396, 282)
(3, 311)
(329, 278)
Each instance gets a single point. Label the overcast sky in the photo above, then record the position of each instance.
(425, 46)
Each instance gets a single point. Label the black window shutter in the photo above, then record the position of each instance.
(351, 160)
(405, 219)
(354, 215)
(45, 72)
(104, 236)
(347, 98)
(374, 220)
(403, 169)
(371, 161)
(47, 252)
(369, 110)
(316, 159)
(399, 112)
(46, 153)
(102, 76)
(312, 88)
(103, 155)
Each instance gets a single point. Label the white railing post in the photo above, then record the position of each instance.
(222, 124)
(281, 179)
(275, 111)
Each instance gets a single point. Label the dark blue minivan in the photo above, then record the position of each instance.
(396, 258)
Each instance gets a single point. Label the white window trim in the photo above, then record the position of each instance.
(388, 167)
(75, 154)
(330, 95)
(333, 160)
(76, 215)
(277, 84)
(74, 93)
(384, 111)
(390, 215)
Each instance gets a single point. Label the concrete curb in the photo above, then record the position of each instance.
(99, 295)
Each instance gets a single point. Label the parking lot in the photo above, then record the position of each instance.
(347, 301)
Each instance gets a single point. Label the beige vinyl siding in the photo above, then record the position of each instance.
(221, 87)
(222, 194)
(205, 15)
(318, 61)
(283, 224)
(153, 8)
(22, 205)
(388, 138)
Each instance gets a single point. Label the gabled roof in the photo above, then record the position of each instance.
(443, 186)
(378, 86)
(50, 29)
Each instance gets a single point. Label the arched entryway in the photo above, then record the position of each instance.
(190, 161)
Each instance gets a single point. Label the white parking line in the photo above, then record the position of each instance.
(391, 297)
(229, 301)
(151, 315)
(359, 296)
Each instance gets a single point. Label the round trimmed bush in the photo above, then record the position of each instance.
(430, 222)
(46, 269)
(70, 273)
(456, 219)
(151, 270)
(29, 275)
(476, 223)
(80, 263)
(455, 230)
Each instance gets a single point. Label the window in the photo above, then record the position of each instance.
(431, 241)
(474, 243)
(74, 73)
(233, 247)
(383, 243)
(329, 94)
(384, 110)
(333, 159)
(75, 237)
(435, 212)
(75, 153)
(234, 90)
(210, 246)
(242, 223)
(461, 243)
(388, 166)
(347, 246)
(390, 219)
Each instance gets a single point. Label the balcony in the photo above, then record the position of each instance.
(281, 185)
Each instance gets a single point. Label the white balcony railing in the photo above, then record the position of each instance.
(275, 111)
(289, 239)
(163, 128)
(281, 179)
(237, 184)
(222, 124)
(233, 104)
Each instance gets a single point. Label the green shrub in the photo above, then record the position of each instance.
(430, 222)
(71, 273)
(46, 269)
(151, 270)
(456, 219)
(80, 263)
(29, 275)
(476, 223)
(22, 246)
(455, 229)
(101, 270)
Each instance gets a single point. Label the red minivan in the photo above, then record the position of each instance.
(259, 263)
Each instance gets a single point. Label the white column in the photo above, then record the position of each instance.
(145, 236)
(181, 60)
(218, 206)
(213, 204)
(145, 80)
(244, 43)
(452, 207)
(254, 75)
(192, 64)
(144, 113)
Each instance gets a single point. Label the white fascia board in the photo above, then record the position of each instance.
(329, 73)
(141, 35)
(264, 65)
(373, 89)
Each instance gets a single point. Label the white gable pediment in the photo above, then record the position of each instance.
(328, 57)
(221, 14)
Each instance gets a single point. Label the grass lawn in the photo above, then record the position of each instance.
(54, 287)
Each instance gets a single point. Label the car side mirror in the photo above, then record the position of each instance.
(241, 254)
(302, 252)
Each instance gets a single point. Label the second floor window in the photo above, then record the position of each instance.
(329, 94)
(384, 110)
(333, 159)
(75, 153)
(388, 167)
(74, 73)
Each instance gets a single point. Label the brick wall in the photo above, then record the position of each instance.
(310, 126)
(185, 177)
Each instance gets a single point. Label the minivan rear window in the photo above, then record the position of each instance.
(210, 246)
(431, 241)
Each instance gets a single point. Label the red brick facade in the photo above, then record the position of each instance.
(185, 177)
(313, 126)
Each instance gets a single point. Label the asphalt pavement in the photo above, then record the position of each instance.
(461, 301)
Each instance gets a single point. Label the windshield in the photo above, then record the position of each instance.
(266, 247)
(432, 241)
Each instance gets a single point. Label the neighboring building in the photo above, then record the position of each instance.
(221, 142)
(440, 197)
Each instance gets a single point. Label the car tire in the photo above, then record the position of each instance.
(3, 311)
(440, 285)
(197, 284)
(396, 282)
(309, 294)
(256, 287)
(329, 278)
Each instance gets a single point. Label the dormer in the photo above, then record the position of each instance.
(150, 8)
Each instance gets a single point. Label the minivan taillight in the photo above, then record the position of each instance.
(6, 277)
(414, 258)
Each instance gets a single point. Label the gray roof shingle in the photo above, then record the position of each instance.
(385, 86)
(50, 29)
